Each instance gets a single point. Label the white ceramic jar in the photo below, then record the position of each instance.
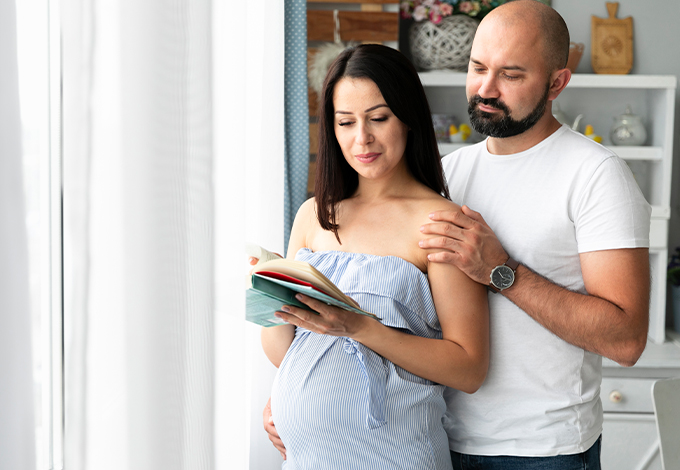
(628, 129)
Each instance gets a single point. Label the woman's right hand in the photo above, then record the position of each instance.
(330, 320)
(269, 427)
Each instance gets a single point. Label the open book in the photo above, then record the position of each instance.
(274, 283)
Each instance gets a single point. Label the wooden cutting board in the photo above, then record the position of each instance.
(611, 44)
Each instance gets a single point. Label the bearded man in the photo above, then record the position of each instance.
(563, 245)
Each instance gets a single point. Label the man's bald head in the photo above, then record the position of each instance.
(532, 15)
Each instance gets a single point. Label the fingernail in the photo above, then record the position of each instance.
(285, 308)
(298, 296)
(431, 215)
(421, 243)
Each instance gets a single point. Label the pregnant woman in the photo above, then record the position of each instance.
(340, 402)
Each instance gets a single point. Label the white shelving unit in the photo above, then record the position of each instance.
(600, 98)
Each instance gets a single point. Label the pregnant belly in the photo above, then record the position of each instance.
(320, 387)
(329, 384)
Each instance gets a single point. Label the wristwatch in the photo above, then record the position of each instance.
(503, 276)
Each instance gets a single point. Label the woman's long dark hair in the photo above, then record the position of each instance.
(400, 85)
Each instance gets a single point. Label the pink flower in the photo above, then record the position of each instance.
(466, 7)
(405, 9)
(420, 13)
(435, 16)
(446, 9)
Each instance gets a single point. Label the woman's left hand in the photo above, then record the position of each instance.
(330, 320)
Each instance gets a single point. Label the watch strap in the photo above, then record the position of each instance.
(512, 264)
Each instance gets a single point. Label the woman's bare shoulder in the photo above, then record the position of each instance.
(418, 216)
(434, 203)
(304, 227)
(308, 204)
(307, 211)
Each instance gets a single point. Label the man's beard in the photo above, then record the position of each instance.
(504, 125)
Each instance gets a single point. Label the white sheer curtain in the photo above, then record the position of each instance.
(139, 234)
(17, 429)
(173, 156)
(249, 154)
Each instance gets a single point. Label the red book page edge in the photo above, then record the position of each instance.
(284, 277)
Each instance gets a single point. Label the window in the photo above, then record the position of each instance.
(42, 196)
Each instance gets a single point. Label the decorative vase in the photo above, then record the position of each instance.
(445, 45)
(575, 53)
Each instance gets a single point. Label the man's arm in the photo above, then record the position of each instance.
(612, 320)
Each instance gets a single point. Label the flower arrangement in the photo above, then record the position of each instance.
(435, 10)
(674, 268)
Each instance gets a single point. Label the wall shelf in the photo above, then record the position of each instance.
(578, 80)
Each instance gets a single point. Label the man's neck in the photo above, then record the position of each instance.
(543, 129)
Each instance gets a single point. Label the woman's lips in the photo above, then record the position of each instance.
(367, 157)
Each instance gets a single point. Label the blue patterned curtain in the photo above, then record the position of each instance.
(297, 114)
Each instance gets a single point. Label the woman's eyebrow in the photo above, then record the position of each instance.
(339, 111)
(376, 107)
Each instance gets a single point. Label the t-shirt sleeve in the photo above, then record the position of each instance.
(611, 212)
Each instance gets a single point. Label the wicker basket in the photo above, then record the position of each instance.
(443, 46)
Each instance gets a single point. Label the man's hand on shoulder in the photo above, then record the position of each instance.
(464, 240)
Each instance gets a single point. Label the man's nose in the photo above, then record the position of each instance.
(489, 87)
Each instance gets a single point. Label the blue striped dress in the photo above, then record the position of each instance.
(337, 404)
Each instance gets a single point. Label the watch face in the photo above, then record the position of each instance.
(502, 277)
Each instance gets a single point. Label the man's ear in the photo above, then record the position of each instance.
(558, 82)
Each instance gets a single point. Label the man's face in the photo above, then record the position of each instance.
(503, 124)
(508, 81)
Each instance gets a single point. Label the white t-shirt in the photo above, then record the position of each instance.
(565, 196)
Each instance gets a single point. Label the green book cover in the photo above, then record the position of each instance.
(268, 295)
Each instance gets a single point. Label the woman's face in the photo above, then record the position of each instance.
(372, 138)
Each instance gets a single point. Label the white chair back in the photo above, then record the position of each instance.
(666, 399)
